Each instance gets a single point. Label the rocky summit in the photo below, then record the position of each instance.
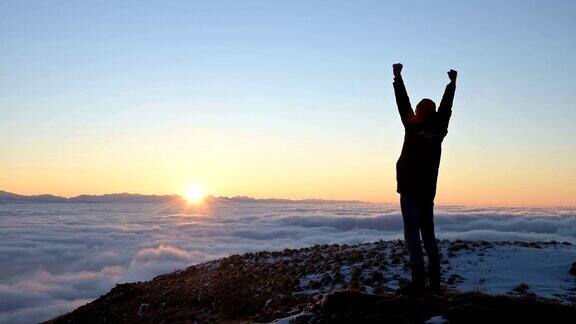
(483, 282)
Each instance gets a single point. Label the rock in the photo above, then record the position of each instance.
(522, 289)
(313, 284)
(454, 279)
(142, 309)
(377, 276)
(572, 270)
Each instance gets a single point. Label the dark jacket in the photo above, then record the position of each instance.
(417, 167)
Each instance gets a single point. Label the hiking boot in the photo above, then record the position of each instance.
(434, 285)
(412, 289)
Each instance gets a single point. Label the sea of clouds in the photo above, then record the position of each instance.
(56, 257)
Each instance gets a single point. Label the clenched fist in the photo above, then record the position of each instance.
(452, 74)
(397, 69)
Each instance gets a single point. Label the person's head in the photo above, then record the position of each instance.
(425, 110)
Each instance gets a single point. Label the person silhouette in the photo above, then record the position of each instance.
(417, 173)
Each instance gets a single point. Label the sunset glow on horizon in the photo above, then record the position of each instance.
(195, 194)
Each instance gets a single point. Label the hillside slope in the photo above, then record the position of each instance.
(329, 283)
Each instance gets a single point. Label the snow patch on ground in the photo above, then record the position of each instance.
(500, 269)
(519, 268)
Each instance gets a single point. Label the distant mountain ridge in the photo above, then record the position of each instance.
(12, 198)
(8, 197)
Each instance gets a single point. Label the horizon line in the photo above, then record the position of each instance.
(293, 199)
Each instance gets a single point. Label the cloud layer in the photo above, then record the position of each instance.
(56, 257)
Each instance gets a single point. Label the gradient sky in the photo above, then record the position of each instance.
(284, 98)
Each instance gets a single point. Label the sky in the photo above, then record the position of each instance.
(287, 99)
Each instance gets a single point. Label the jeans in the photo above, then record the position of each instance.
(418, 216)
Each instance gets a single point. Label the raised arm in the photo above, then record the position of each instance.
(445, 108)
(402, 99)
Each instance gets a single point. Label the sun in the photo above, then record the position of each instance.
(195, 195)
